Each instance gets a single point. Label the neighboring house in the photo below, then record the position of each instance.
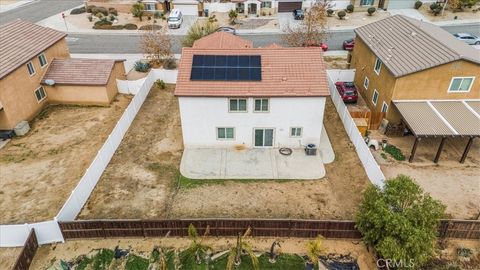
(30, 55)
(362, 5)
(231, 94)
(403, 59)
(125, 6)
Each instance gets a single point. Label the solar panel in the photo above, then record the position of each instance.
(226, 68)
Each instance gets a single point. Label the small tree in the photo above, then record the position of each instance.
(235, 255)
(418, 4)
(341, 14)
(138, 10)
(400, 221)
(436, 8)
(314, 250)
(311, 30)
(330, 12)
(232, 15)
(197, 31)
(156, 45)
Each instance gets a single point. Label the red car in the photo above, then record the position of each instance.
(322, 45)
(349, 44)
(347, 91)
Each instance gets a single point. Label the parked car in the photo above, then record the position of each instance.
(227, 29)
(175, 19)
(322, 45)
(298, 14)
(468, 38)
(347, 91)
(348, 44)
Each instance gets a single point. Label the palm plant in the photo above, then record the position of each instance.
(314, 249)
(197, 251)
(242, 246)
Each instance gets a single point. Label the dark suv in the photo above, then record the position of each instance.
(298, 14)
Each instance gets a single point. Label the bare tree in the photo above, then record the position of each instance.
(156, 45)
(311, 30)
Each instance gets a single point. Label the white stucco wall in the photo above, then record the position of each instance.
(202, 115)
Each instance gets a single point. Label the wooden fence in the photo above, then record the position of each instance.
(27, 253)
(464, 229)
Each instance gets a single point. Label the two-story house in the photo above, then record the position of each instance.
(400, 58)
(36, 69)
(231, 94)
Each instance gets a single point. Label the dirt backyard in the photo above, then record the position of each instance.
(8, 257)
(456, 185)
(39, 170)
(142, 179)
(49, 254)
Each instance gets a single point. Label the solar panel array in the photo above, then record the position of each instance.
(226, 68)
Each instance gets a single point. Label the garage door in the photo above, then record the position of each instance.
(400, 4)
(187, 9)
(289, 6)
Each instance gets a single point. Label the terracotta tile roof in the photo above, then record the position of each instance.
(286, 72)
(222, 40)
(79, 71)
(20, 41)
(406, 45)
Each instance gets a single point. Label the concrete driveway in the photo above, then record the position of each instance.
(257, 163)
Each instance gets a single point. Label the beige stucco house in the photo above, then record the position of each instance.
(403, 59)
(36, 69)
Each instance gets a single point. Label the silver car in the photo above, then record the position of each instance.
(468, 38)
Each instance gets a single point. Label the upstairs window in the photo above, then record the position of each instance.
(237, 105)
(261, 105)
(31, 69)
(461, 84)
(43, 60)
(375, 97)
(378, 66)
(225, 133)
(384, 107)
(366, 81)
(266, 4)
(366, 2)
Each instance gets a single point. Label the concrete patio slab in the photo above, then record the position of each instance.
(264, 163)
(325, 148)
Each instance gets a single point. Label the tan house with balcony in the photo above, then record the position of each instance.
(36, 69)
(401, 59)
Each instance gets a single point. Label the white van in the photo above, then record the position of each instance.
(175, 18)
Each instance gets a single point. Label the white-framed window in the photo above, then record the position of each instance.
(378, 66)
(375, 97)
(366, 81)
(266, 4)
(384, 107)
(225, 133)
(237, 105)
(261, 105)
(43, 60)
(296, 132)
(366, 2)
(461, 84)
(31, 69)
(149, 6)
(40, 94)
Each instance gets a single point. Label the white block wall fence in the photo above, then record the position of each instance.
(371, 166)
(49, 231)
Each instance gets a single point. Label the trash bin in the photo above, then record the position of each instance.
(205, 11)
(311, 150)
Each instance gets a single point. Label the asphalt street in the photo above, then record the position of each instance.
(124, 43)
(38, 10)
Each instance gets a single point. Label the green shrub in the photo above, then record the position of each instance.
(130, 26)
(138, 10)
(371, 10)
(102, 10)
(112, 17)
(141, 66)
(150, 27)
(78, 11)
(102, 22)
(232, 15)
(113, 11)
(394, 152)
(157, 15)
(99, 15)
(436, 8)
(418, 4)
(341, 14)
(89, 8)
(170, 63)
(160, 84)
(330, 12)
(350, 8)
(263, 13)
